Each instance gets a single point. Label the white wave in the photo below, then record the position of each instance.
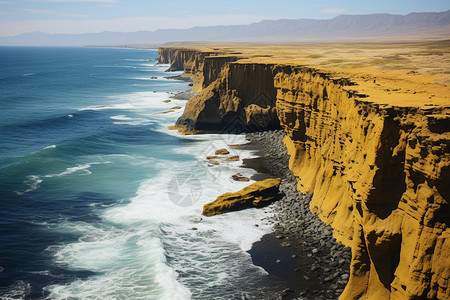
(100, 205)
(133, 123)
(216, 249)
(28, 74)
(114, 66)
(140, 102)
(154, 199)
(146, 248)
(124, 120)
(145, 78)
(141, 248)
(46, 273)
(136, 59)
(148, 65)
(144, 100)
(132, 260)
(71, 170)
(70, 116)
(109, 155)
(108, 106)
(152, 78)
(32, 182)
(18, 290)
(121, 118)
(50, 147)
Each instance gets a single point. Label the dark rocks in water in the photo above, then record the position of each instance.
(222, 152)
(184, 95)
(180, 77)
(232, 158)
(212, 157)
(239, 177)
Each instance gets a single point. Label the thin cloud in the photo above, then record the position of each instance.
(38, 11)
(333, 10)
(51, 12)
(84, 1)
(77, 15)
(124, 24)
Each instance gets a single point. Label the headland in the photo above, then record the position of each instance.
(367, 130)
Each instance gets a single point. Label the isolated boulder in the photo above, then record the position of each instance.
(254, 195)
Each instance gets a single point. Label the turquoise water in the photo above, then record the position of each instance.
(98, 199)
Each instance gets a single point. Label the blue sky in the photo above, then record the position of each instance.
(82, 16)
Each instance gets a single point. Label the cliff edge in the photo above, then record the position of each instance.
(368, 138)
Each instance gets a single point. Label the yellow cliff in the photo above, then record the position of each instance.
(368, 133)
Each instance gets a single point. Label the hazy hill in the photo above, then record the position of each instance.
(416, 26)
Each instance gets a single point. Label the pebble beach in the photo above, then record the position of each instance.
(301, 252)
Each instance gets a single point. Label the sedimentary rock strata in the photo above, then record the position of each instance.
(373, 152)
(376, 175)
(254, 195)
(241, 99)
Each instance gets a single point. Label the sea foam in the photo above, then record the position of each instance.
(156, 244)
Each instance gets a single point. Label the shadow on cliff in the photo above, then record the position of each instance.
(389, 179)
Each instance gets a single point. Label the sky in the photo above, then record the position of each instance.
(86, 16)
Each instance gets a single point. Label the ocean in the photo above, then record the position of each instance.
(99, 200)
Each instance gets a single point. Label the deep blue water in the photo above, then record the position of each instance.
(87, 169)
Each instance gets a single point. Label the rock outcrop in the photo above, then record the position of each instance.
(203, 66)
(376, 173)
(241, 99)
(254, 195)
(378, 170)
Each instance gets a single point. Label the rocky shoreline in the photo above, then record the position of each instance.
(183, 95)
(186, 94)
(369, 142)
(301, 252)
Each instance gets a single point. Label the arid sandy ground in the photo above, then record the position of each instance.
(398, 74)
(368, 135)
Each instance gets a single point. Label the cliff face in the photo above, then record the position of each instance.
(212, 68)
(203, 66)
(378, 173)
(241, 98)
(188, 60)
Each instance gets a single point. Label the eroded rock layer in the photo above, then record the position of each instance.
(379, 174)
(254, 195)
(242, 98)
(203, 66)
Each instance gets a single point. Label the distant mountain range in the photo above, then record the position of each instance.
(414, 26)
